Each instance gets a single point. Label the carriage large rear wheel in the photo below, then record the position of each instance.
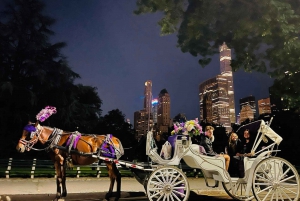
(168, 183)
(276, 179)
(237, 189)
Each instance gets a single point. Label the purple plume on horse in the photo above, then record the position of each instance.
(30, 128)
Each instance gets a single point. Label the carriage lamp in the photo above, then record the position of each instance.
(184, 139)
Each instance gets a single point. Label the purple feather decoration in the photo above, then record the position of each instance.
(45, 113)
(30, 128)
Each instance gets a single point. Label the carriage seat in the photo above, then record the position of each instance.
(198, 149)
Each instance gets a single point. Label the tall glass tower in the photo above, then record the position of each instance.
(226, 71)
(217, 94)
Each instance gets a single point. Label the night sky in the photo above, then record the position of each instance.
(117, 51)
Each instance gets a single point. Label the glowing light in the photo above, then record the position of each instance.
(154, 101)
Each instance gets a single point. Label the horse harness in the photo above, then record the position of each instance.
(55, 137)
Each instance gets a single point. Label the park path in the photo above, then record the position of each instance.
(87, 188)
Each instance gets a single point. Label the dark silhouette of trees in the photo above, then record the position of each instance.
(34, 74)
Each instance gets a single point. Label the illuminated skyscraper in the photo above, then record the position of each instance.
(264, 106)
(248, 108)
(163, 111)
(226, 71)
(148, 96)
(217, 94)
(143, 119)
(214, 101)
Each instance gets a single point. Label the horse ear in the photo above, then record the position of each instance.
(36, 123)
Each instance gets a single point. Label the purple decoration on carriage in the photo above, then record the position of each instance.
(172, 141)
(29, 128)
(107, 149)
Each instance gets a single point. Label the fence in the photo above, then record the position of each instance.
(45, 168)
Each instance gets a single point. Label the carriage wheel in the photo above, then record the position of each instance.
(276, 179)
(168, 183)
(238, 190)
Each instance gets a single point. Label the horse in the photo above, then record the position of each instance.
(72, 148)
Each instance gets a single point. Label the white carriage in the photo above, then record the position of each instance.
(267, 177)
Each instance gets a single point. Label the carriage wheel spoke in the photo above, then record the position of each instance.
(175, 196)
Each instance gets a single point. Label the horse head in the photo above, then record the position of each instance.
(27, 141)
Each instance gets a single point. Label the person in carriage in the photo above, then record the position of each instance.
(206, 141)
(234, 143)
(245, 148)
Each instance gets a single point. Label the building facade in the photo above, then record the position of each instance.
(214, 101)
(247, 108)
(141, 121)
(264, 106)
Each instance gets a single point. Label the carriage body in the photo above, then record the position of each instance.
(266, 177)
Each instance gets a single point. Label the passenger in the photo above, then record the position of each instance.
(207, 140)
(246, 146)
(244, 150)
(231, 149)
(233, 144)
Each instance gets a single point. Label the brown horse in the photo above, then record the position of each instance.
(67, 148)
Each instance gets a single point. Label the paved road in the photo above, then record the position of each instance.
(88, 189)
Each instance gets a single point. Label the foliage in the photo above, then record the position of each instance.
(264, 34)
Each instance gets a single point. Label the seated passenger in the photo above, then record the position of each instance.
(244, 149)
(206, 141)
(231, 149)
(246, 145)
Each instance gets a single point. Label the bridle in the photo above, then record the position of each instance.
(34, 135)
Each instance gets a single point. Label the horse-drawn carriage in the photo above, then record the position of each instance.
(266, 177)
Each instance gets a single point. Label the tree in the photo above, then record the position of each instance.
(34, 74)
(264, 34)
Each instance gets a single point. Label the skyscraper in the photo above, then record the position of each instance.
(163, 111)
(217, 94)
(148, 96)
(226, 71)
(264, 106)
(143, 119)
(214, 101)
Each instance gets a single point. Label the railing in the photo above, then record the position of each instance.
(45, 168)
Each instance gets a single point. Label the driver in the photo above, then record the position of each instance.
(207, 140)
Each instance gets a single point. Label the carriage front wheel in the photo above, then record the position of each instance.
(168, 183)
(275, 179)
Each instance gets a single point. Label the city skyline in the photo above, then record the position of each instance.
(116, 51)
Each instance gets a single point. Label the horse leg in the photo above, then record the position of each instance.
(59, 172)
(118, 179)
(64, 188)
(112, 180)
